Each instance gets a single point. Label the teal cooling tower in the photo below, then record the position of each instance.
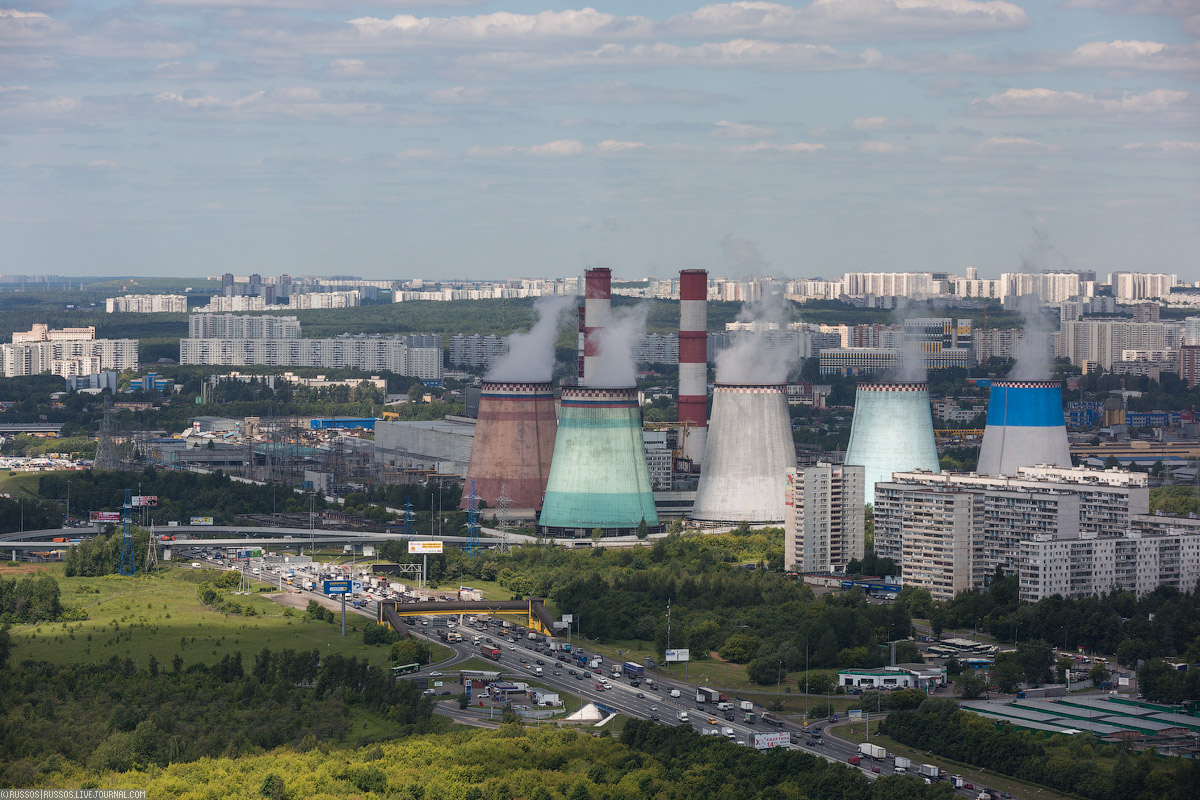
(892, 431)
(598, 477)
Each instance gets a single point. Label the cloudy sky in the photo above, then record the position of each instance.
(496, 139)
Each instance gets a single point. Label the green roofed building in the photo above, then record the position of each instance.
(599, 477)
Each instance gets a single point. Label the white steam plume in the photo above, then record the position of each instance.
(614, 365)
(1032, 350)
(530, 356)
(912, 367)
(764, 355)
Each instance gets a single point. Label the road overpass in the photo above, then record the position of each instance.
(533, 610)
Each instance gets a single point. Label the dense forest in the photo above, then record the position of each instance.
(1068, 764)
(30, 598)
(754, 616)
(119, 715)
(27, 513)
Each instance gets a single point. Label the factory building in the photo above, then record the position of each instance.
(441, 446)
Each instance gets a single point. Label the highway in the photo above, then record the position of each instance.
(622, 697)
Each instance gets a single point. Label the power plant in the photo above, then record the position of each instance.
(513, 444)
(892, 431)
(597, 304)
(693, 362)
(598, 477)
(749, 451)
(1025, 427)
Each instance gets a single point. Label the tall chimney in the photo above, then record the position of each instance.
(693, 359)
(597, 301)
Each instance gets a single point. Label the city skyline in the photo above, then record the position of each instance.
(399, 139)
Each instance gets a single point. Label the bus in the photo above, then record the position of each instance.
(406, 669)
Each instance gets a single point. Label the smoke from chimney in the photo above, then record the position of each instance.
(530, 356)
(1032, 350)
(757, 356)
(613, 364)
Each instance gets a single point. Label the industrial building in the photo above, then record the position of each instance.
(1025, 426)
(598, 477)
(440, 446)
(513, 444)
(892, 431)
(824, 517)
(749, 450)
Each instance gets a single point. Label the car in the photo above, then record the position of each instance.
(711, 721)
(599, 687)
(579, 677)
(641, 696)
(654, 717)
(557, 672)
(875, 770)
(427, 692)
(729, 716)
(541, 663)
(810, 743)
(968, 786)
(435, 674)
(489, 641)
(634, 684)
(571, 671)
(445, 694)
(512, 647)
(654, 708)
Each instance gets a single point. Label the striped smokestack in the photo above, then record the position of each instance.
(693, 359)
(597, 300)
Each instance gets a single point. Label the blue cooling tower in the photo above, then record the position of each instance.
(1025, 427)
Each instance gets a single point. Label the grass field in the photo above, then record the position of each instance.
(18, 483)
(980, 777)
(162, 615)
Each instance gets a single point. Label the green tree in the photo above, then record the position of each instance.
(1007, 673)
(970, 685)
(817, 682)
(1035, 658)
(1099, 673)
(739, 648)
(764, 671)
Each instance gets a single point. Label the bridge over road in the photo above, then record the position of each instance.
(533, 610)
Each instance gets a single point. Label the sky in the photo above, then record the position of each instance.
(490, 140)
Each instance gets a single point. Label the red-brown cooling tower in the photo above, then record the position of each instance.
(693, 359)
(597, 300)
(514, 443)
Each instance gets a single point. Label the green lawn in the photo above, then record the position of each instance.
(162, 615)
(17, 483)
(980, 777)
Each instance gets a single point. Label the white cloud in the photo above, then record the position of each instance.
(616, 146)
(504, 26)
(768, 147)
(1173, 147)
(1049, 102)
(884, 124)
(881, 147)
(1014, 144)
(740, 130)
(562, 147)
(461, 95)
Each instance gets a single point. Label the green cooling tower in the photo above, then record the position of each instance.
(598, 478)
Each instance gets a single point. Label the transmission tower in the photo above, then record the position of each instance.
(106, 450)
(472, 546)
(126, 566)
(151, 561)
(502, 517)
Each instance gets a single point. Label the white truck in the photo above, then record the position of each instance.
(727, 732)
(872, 751)
(746, 705)
(537, 671)
(675, 693)
(683, 717)
(929, 771)
(903, 764)
(725, 705)
(308, 585)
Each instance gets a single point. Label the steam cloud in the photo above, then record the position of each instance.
(530, 356)
(1032, 350)
(761, 356)
(614, 365)
(912, 367)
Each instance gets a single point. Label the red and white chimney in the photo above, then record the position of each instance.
(693, 359)
(597, 301)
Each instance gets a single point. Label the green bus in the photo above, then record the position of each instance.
(406, 669)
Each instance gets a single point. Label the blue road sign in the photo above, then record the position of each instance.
(337, 587)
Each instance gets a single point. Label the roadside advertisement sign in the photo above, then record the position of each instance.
(243, 555)
(424, 548)
(201, 521)
(337, 587)
(679, 655)
(140, 500)
(856, 714)
(765, 741)
(105, 516)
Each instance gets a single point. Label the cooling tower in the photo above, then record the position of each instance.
(598, 478)
(749, 451)
(597, 301)
(892, 431)
(1024, 427)
(514, 440)
(693, 359)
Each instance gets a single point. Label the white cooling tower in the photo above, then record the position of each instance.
(1025, 427)
(746, 458)
(892, 432)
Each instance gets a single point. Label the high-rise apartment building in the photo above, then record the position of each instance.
(1130, 286)
(147, 304)
(242, 326)
(476, 350)
(1101, 341)
(824, 517)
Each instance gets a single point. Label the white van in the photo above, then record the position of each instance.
(683, 717)
(674, 693)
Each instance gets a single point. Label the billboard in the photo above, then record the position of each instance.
(140, 500)
(764, 741)
(242, 555)
(337, 587)
(105, 516)
(678, 655)
(424, 548)
(201, 521)
(856, 714)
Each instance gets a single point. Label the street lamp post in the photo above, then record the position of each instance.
(68, 501)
